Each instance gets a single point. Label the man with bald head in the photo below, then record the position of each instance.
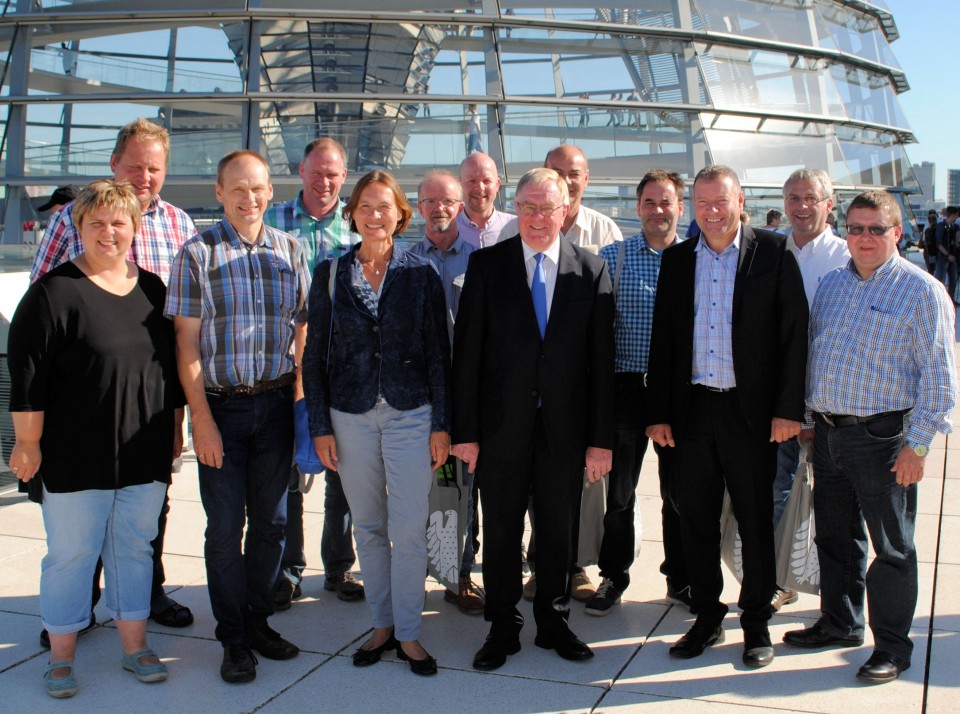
(440, 202)
(583, 226)
(480, 224)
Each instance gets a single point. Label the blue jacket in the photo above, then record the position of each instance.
(404, 352)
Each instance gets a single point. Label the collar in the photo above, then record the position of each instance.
(702, 243)
(455, 248)
(810, 247)
(553, 252)
(153, 207)
(469, 220)
(300, 209)
(643, 245)
(882, 271)
(238, 242)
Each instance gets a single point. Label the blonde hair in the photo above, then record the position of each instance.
(117, 195)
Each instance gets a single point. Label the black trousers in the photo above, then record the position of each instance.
(630, 444)
(718, 450)
(507, 485)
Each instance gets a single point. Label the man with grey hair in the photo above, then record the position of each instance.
(533, 392)
(440, 201)
(807, 200)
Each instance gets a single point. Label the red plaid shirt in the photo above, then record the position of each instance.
(163, 229)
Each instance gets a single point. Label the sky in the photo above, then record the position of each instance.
(928, 53)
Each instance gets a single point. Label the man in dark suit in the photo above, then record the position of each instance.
(726, 384)
(533, 403)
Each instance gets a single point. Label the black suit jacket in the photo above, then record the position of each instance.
(769, 334)
(502, 367)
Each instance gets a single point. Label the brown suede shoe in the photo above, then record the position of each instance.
(470, 598)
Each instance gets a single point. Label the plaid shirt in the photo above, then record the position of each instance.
(636, 293)
(164, 228)
(332, 232)
(713, 315)
(884, 344)
(247, 298)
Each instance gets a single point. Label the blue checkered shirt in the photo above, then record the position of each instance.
(884, 344)
(247, 298)
(636, 293)
(322, 239)
(713, 315)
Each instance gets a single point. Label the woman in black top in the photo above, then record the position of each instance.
(95, 398)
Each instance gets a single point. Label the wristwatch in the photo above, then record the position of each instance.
(920, 450)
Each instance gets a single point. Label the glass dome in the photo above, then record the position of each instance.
(766, 86)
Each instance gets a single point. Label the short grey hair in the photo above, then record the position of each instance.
(818, 176)
(540, 176)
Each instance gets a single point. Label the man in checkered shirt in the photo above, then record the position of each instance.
(140, 156)
(659, 206)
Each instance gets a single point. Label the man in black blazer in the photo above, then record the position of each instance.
(726, 384)
(533, 403)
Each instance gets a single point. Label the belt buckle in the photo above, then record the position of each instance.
(826, 418)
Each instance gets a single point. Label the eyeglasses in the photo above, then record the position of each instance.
(808, 200)
(530, 209)
(445, 202)
(873, 230)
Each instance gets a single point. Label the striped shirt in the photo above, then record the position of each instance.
(247, 299)
(321, 238)
(884, 344)
(636, 294)
(164, 228)
(713, 315)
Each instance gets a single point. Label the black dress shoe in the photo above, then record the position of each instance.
(176, 615)
(270, 644)
(567, 645)
(424, 667)
(239, 665)
(697, 640)
(493, 654)
(816, 636)
(757, 648)
(364, 658)
(882, 667)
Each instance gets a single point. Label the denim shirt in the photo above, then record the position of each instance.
(402, 353)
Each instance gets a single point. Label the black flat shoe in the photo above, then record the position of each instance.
(364, 658)
(815, 637)
(696, 641)
(176, 615)
(882, 667)
(494, 653)
(424, 667)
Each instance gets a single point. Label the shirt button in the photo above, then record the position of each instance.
(376, 328)
(377, 355)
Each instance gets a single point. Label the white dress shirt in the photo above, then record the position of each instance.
(820, 256)
(591, 230)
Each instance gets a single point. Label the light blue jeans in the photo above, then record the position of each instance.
(385, 470)
(85, 525)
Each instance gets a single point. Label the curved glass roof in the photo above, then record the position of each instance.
(766, 86)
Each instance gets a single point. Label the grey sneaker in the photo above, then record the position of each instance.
(607, 596)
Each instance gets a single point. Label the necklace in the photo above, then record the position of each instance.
(373, 265)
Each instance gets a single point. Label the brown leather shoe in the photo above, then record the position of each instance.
(582, 589)
(470, 598)
(783, 597)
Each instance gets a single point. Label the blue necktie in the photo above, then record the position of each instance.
(539, 289)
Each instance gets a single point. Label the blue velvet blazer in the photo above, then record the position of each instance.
(403, 352)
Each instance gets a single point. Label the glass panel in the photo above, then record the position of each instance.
(780, 20)
(873, 164)
(659, 140)
(111, 59)
(772, 80)
(77, 139)
(457, 6)
(770, 158)
(847, 30)
(142, 5)
(618, 68)
(868, 97)
(648, 13)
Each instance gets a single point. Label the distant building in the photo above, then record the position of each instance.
(926, 172)
(953, 187)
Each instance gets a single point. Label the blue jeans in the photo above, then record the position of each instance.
(336, 542)
(250, 488)
(385, 463)
(84, 525)
(854, 484)
(788, 461)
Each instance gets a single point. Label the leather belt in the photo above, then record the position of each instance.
(259, 388)
(720, 390)
(841, 420)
